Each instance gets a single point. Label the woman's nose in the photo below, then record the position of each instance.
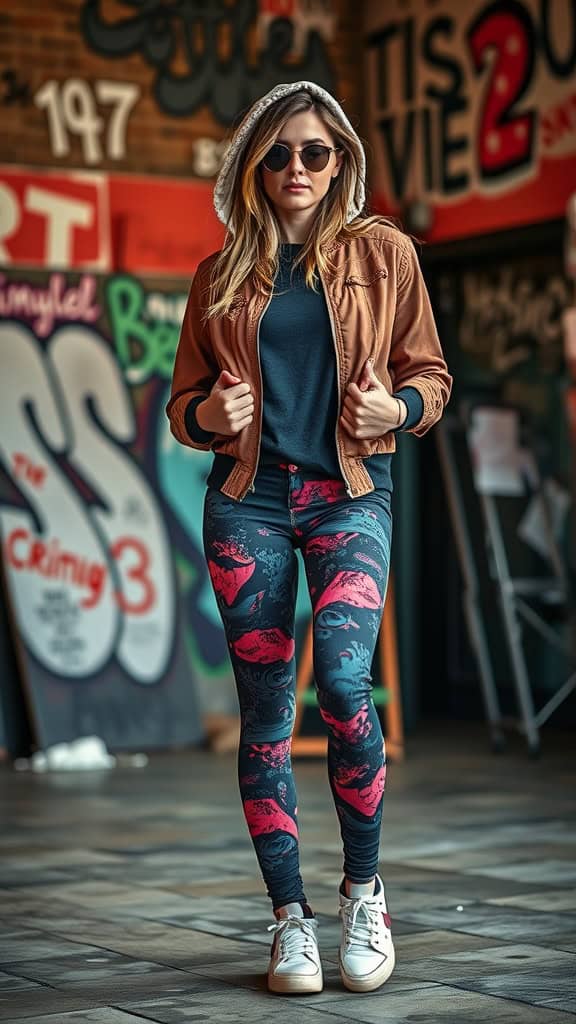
(295, 162)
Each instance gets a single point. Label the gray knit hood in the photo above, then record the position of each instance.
(235, 152)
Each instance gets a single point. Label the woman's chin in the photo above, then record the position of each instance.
(294, 201)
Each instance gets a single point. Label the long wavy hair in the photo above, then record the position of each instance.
(251, 245)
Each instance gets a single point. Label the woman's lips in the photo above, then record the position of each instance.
(296, 188)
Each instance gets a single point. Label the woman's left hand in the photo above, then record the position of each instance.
(369, 410)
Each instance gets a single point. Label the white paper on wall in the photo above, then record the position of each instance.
(498, 461)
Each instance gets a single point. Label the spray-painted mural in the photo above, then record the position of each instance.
(472, 110)
(54, 220)
(95, 221)
(502, 327)
(72, 109)
(228, 77)
(100, 507)
(101, 513)
(87, 550)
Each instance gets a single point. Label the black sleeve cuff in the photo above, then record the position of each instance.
(415, 405)
(196, 432)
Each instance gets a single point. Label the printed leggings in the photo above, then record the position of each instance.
(250, 553)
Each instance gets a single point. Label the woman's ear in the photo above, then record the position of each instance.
(338, 165)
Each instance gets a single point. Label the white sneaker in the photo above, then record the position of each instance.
(295, 958)
(367, 956)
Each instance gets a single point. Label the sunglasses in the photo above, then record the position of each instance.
(315, 157)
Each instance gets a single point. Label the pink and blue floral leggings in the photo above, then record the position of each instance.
(250, 552)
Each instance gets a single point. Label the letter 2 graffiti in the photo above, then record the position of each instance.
(462, 98)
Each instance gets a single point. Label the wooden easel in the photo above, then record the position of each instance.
(388, 694)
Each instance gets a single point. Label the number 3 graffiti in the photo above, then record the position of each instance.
(85, 545)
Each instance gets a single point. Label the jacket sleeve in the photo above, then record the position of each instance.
(195, 431)
(195, 368)
(414, 405)
(416, 358)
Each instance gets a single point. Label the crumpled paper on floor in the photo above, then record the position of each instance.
(88, 753)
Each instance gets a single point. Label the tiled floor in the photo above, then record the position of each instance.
(134, 895)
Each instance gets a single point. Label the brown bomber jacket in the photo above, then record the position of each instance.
(378, 306)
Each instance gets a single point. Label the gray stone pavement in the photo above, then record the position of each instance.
(134, 895)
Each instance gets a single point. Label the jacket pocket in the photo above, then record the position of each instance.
(361, 448)
(361, 289)
(224, 443)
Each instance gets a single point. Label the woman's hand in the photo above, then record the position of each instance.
(369, 410)
(229, 407)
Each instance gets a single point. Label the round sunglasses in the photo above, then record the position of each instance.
(315, 157)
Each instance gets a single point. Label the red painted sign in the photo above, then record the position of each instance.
(161, 225)
(145, 225)
(54, 220)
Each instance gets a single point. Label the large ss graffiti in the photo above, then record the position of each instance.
(101, 511)
(85, 543)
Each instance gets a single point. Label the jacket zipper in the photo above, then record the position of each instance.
(260, 318)
(334, 339)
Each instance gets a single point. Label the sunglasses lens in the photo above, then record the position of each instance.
(277, 158)
(315, 158)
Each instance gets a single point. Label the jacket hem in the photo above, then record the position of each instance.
(360, 480)
(237, 481)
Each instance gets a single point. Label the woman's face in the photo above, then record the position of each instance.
(301, 130)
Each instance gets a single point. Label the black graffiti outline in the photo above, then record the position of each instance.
(515, 316)
(227, 86)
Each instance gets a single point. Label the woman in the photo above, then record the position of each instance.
(307, 342)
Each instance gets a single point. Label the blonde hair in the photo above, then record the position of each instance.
(251, 246)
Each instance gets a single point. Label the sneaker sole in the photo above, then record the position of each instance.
(376, 979)
(295, 984)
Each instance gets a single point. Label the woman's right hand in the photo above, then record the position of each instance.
(229, 406)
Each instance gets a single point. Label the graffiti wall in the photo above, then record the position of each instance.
(101, 513)
(502, 325)
(114, 123)
(153, 226)
(472, 110)
(223, 82)
(153, 88)
(92, 550)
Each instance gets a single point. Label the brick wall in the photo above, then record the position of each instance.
(50, 98)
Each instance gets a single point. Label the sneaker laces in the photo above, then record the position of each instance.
(363, 920)
(296, 935)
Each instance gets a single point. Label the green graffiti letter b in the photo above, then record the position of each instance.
(131, 335)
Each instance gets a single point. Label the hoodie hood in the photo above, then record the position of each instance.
(237, 147)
